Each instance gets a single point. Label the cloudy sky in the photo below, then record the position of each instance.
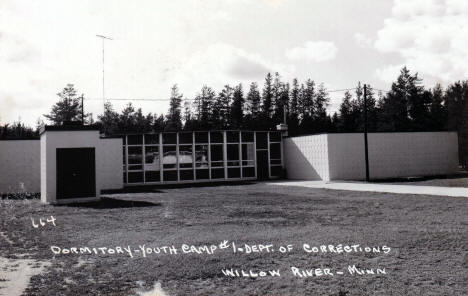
(46, 44)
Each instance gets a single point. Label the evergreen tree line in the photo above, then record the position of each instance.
(233, 108)
(407, 106)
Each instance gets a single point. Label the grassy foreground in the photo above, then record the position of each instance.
(428, 237)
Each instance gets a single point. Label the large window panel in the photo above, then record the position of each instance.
(216, 137)
(217, 159)
(248, 172)
(185, 138)
(169, 138)
(247, 137)
(217, 173)
(152, 176)
(151, 139)
(201, 137)
(152, 158)
(203, 174)
(233, 156)
(275, 137)
(169, 157)
(186, 175)
(232, 137)
(216, 152)
(135, 158)
(135, 139)
(185, 156)
(275, 151)
(170, 176)
(201, 156)
(135, 177)
(233, 172)
(248, 155)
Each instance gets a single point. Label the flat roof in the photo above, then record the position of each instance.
(59, 128)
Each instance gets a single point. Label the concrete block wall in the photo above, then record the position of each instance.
(391, 155)
(23, 162)
(306, 157)
(109, 161)
(419, 154)
(346, 158)
(20, 166)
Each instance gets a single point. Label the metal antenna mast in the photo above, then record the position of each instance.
(103, 81)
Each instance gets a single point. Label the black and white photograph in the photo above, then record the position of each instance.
(233, 147)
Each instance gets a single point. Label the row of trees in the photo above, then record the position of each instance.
(232, 108)
(408, 106)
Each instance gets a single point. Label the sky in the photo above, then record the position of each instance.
(47, 44)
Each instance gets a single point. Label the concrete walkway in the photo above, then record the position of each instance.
(387, 188)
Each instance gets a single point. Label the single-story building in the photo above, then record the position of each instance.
(73, 163)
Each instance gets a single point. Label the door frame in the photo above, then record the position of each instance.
(60, 195)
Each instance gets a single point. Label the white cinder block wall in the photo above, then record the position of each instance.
(110, 162)
(24, 163)
(391, 155)
(306, 157)
(346, 156)
(108, 153)
(420, 154)
(20, 166)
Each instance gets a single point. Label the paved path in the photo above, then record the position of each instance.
(372, 187)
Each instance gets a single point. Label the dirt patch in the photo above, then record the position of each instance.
(156, 291)
(16, 274)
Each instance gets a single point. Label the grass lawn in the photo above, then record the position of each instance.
(428, 236)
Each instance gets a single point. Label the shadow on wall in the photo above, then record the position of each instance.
(297, 164)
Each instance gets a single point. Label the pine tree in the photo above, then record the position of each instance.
(188, 116)
(403, 107)
(174, 118)
(109, 120)
(456, 100)
(68, 108)
(438, 111)
(293, 114)
(321, 120)
(237, 108)
(159, 123)
(252, 104)
(346, 114)
(267, 98)
(221, 108)
(308, 98)
(204, 103)
(127, 120)
(252, 108)
(277, 98)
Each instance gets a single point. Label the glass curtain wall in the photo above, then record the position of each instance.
(171, 157)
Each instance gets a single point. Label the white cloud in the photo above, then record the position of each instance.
(315, 51)
(430, 35)
(389, 73)
(362, 40)
(222, 63)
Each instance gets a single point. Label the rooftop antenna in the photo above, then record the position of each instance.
(104, 38)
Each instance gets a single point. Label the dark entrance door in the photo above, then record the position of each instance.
(262, 165)
(76, 173)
